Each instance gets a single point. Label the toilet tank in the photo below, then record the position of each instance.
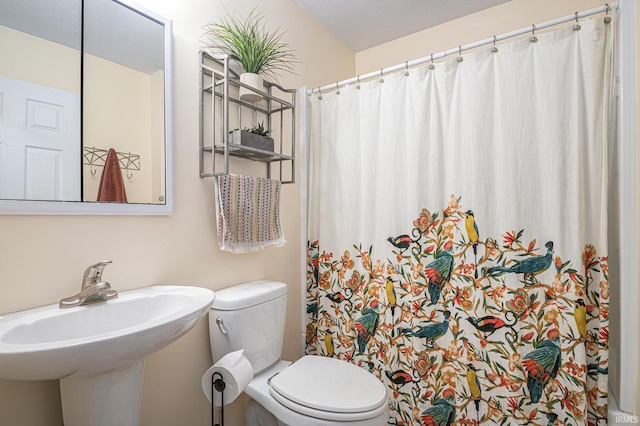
(253, 316)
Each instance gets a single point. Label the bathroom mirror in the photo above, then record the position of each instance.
(78, 77)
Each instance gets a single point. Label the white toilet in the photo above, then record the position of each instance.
(313, 391)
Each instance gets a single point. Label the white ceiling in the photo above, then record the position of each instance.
(362, 24)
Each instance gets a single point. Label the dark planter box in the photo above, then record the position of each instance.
(241, 137)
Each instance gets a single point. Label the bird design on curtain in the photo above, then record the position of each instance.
(518, 343)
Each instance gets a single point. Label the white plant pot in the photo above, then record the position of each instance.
(254, 80)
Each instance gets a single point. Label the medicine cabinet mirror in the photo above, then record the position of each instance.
(78, 77)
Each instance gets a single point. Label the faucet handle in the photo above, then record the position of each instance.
(94, 272)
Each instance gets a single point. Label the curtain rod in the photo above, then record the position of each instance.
(460, 49)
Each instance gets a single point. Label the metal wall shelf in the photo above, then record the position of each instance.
(222, 111)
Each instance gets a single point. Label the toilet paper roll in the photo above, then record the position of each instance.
(236, 372)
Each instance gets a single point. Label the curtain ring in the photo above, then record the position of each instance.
(406, 66)
(460, 58)
(381, 76)
(432, 66)
(320, 92)
(337, 89)
(607, 19)
(494, 49)
(577, 26)
(533, 38)
(358, 80)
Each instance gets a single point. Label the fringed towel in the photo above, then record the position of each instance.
(111, 183)
(248, 210)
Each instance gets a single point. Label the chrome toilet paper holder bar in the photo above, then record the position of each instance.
(217, 384)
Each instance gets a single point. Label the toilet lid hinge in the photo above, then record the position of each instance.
(269, 379)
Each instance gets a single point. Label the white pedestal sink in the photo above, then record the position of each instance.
(97, 351)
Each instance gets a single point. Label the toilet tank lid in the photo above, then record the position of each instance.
(248, 294)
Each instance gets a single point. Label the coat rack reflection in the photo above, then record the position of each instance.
(97, 157)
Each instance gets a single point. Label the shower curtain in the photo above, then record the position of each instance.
(457, 232)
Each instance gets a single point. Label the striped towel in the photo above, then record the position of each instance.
(248, 210)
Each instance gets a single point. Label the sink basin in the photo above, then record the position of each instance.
(90, 346)
(51, 343)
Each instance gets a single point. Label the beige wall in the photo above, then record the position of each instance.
(55, 65)
(42, 257)
(157, 153)
(119, 116)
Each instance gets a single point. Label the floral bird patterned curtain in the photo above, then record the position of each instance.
(457, 233)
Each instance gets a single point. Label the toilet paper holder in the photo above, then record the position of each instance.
(217, 384)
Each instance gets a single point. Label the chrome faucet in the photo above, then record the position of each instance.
(93, 288)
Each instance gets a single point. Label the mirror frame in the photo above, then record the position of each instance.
(29, 207)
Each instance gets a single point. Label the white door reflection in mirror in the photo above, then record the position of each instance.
(40, 142)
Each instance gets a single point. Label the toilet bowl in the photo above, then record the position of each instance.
(257, 415)
(313, 391)
(294, 413)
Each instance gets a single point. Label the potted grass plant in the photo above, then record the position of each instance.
(259, 52)
(255, 137)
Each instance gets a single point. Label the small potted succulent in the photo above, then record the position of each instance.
(255, 137)
(259, 52)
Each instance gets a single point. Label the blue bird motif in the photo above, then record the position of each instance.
(542, 364)
(430, 332)
(312, 308)
(442, 413)
(366, 327)
(530, 267)
(438, 273)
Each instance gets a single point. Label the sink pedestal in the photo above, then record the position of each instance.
(108, 399)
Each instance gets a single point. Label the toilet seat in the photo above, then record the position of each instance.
(329, 389)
